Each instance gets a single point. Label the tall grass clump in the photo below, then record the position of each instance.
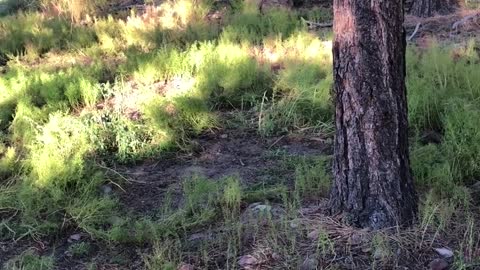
(231, 77)
(302, 87)
(177, 23)
(443, 98)
(60, 184)
(434, 77)
(33, 34)
(249, 25)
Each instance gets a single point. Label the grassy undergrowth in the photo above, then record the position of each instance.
(75, 98)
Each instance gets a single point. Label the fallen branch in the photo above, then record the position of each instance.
(463, 21)
(128, 180)
(318, 25)
(414, 32)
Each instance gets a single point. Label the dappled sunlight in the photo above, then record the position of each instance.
(58, 152)
(302, 46)
(83, 104)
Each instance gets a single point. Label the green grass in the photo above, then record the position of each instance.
(77, 97)
(30, 261)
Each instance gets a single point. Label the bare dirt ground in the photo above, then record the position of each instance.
(217, 154)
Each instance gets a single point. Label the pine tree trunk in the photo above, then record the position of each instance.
(373, 185)
(428, 8)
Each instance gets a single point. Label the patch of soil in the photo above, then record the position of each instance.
(225, 152)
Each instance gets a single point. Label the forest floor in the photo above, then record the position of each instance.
(242, 181)
(272, 233)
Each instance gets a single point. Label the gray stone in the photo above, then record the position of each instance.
(186, 266)
(309, 264)
(444, 252)
(74, 237)
(438, 264)
(106, 189)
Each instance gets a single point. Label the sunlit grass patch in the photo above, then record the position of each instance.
(33, 34)
(253, 27)
(59, 152)
(302, 86)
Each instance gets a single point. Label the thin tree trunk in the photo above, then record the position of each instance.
(428, 8)
(373, 185)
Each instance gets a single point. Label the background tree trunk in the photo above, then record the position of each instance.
(373, 186)
(428, 8)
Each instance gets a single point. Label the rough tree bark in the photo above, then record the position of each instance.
(428, 8)
(373, 185)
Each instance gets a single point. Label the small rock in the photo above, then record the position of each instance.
(380, 254)
(106, 189)
(74, 237)
(198, 236)
(476, 187)
(186, 266)
(309, 264)
(356, 239)
(310, 210)
(262, 208)
(313, 235)
(258, 213)
(294, 224)
(438, 264)
(444, 252)
(224, 136)
(247, 260)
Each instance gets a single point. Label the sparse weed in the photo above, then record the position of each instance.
(165, 255)
(28, 260)
(382, 252)
(79, 249)
(312, 180)
(325, 246)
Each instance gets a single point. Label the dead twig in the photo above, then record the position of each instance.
(414, 32)
(317, 25)
(128, 180)
(463, 21)
(274, 143)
